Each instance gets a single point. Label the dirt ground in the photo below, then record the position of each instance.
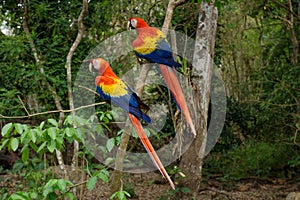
(151, 186)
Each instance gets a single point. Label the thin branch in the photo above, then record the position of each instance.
(90, 90)
(50, 112)
(23, 105)
(72, 50)
(74, 164)
(179, 2)
(295, 137)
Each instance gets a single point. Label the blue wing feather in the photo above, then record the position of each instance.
(129, 102)
(162, 54)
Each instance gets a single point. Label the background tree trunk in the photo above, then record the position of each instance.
(192, 160)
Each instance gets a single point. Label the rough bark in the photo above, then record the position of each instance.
(192, 160)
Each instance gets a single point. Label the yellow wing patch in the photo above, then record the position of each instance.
(119, 88)
(149, 43)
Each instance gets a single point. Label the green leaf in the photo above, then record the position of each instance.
(25, 153)
(104, 175)
(70, 196)
(62, 185)
(42, 125)
(18, 128)
(20, 196)
(48, 188)
(78, 121)
(34, 146)
(185, 190)
(4, 142)
(147, 132)
(41, 147)
(52, 132)
(51, 146)
(91, 183)
(60, 139)
(69, 120)
(24, 138)
(32, 135)
(14, 144)
(110, 144)
(79, 134)
(6, 129)
(70, 131)
(53, 122)
(121, 195)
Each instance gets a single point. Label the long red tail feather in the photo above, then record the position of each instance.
(174, 85)
(148, 146)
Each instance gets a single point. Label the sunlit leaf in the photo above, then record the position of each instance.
(91, 183)
(110, 144)
(14, 144)
(6, 129)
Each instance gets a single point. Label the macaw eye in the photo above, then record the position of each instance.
(133, 22)
(96, 64)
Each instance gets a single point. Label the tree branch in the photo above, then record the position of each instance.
(74, 164)
(50, 112)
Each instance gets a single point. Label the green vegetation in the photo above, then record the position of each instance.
(256, 53)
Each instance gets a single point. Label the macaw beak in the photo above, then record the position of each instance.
(130, 26)
(91, 67)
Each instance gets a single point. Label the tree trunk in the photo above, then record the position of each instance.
(192, 160)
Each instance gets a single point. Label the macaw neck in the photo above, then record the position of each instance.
(148, 32)
(142, 28)
(106, 71)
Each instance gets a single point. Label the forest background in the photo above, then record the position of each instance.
(256, 55)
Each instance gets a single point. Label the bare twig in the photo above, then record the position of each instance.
(50, 112)
(90, 90)
(23, 105)
(74, 164)
(295, 137)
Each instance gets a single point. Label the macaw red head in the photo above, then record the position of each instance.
(135, 22)
(98, 64)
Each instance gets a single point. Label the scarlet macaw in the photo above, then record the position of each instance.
(151, 44)
(112, 88)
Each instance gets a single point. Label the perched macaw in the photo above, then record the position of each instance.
(112, 88)
(151, 44)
